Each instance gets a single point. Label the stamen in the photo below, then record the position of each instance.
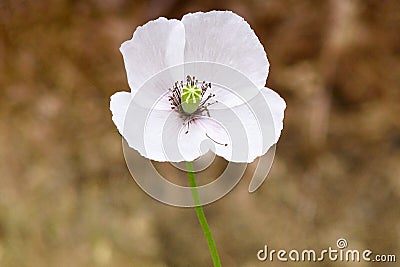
(188, 122)
(187, 130)
(216, 141)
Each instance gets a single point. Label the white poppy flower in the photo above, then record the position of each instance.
(171, 116)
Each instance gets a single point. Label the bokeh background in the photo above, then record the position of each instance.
(66, 195)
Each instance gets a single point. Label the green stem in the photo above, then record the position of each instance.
(201, 216)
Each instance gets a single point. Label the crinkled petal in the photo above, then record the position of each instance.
(253, 126)
(204, 134)
(146, 127)
(226, 38)
(277, 106)
(119, 104)
(159, 134)
(168, 138)
(228, 84)
(154, 47)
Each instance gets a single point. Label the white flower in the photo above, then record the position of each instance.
(170, 116)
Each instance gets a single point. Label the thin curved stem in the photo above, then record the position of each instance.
(201, 216)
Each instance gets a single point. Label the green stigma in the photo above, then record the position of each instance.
(191, 97)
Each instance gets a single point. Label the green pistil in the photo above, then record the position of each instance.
(191, 97)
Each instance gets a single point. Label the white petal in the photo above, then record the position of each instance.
(204, 134)
(226, 38)
(230, 86)
(166, 138)
(144, 130)
(277, 106)
(157, 45)
(253, 126)
(159, 134)
(119, 104)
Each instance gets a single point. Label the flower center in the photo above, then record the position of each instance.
(190, 101)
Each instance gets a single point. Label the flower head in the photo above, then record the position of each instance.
(197, 84)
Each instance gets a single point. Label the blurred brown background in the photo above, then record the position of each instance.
(66, 196)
